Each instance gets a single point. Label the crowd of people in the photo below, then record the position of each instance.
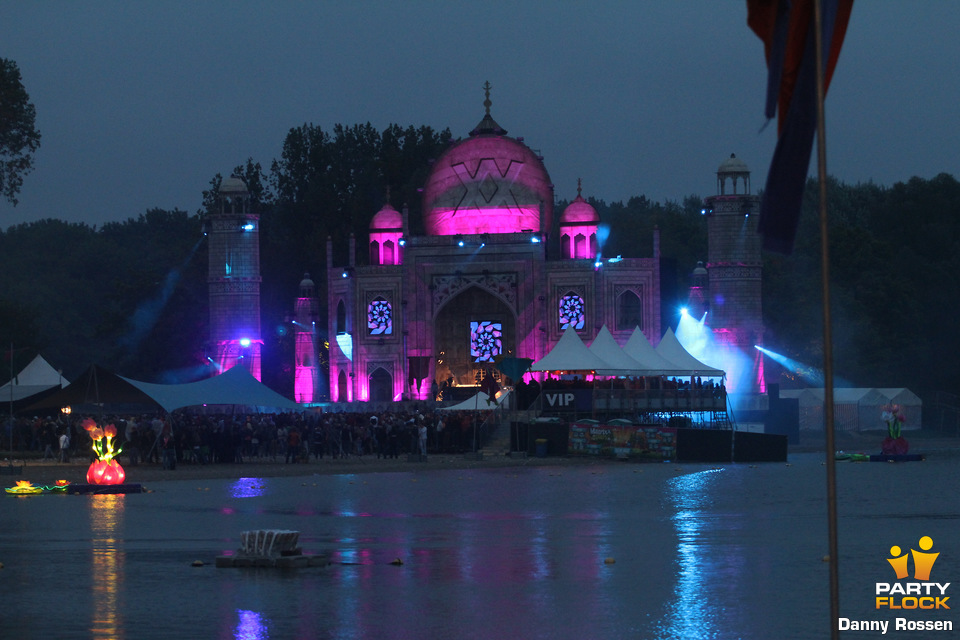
(237, 438)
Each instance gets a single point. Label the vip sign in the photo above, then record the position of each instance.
(906, 595)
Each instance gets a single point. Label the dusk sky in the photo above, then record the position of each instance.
(141, 104)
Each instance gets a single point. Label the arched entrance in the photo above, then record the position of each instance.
(381, 385)
(342, 395)
(470, 330)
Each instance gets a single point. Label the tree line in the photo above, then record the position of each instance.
(132, 295)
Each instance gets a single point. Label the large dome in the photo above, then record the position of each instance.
(488, 183)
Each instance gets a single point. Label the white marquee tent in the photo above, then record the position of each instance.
(479, 402)
(855, 409)
(570, 354)
(606, 358)
(671, 349)
(621, 364)
(640, 349)
(36, 377)
(237, 386)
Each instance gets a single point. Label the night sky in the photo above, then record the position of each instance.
(141, 104)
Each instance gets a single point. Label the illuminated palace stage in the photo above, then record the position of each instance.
(494, 274)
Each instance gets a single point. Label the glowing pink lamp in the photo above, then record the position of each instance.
(105, 469)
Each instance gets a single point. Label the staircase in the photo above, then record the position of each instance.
(498, 426)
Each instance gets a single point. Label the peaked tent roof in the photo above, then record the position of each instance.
(671, 349)
(96, 386)
(639, 348)
(652, 363)
(853, 395)
(100, 386)
(480, 402)
(896, 395)
(36, 377)
(237, 386)
(569, 354)
(621, 364)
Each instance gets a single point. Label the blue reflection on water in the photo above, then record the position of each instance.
(250, 626)
(694, 613)
(248, 488)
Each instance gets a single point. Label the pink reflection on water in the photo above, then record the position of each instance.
(251, 626)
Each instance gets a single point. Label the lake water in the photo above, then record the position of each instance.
(698, 551)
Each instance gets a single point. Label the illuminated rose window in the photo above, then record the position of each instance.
(571, 312)
(485, 341)
(380, 317)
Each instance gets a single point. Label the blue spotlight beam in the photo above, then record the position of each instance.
(809, 373)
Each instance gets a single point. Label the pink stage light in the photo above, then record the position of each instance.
(450, 222)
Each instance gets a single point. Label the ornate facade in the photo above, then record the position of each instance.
(438, 309)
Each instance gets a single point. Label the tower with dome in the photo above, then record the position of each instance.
(493, 275)
(731, 294)
(233, 236)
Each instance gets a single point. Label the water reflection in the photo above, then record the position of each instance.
(251, 626)
(248, 488)
(693, 612)
(106, 518)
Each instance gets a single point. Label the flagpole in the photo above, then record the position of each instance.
(827, 332)
(11, 398)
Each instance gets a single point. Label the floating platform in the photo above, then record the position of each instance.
(103, 489)
(279, 562)
(898, 457)
(881, 457)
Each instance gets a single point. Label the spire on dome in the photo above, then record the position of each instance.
(488, 125)
(579, 187)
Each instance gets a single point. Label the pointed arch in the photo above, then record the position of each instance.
(341, 317)
(343, 394)
(381, 385)
(580, 246)
(629, 311)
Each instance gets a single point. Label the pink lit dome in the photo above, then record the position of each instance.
(488, 183)
(387, 218)
(579, 211)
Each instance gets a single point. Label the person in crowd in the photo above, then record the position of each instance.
(65, 446)
(293, 445)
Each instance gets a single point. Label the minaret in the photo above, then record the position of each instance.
(233, 234)
(578, 229)
(734, 268)
(698, 298)
(307, 380)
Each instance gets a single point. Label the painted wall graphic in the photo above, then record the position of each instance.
(380, 317)
(622, 441)
(571, 312)
(485, 340)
